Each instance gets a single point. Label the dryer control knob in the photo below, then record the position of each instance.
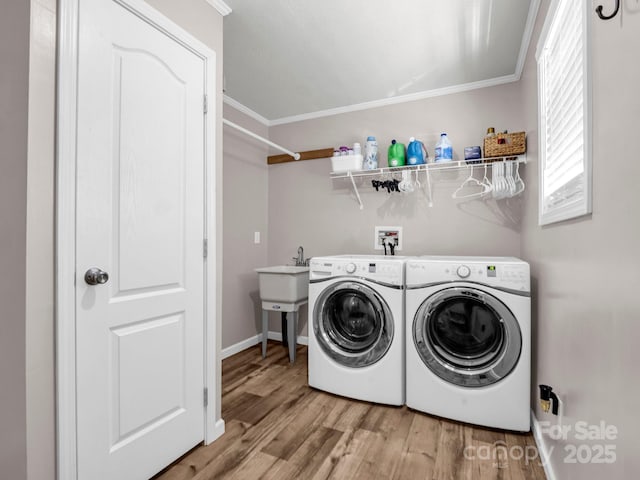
(463, 271)
(350, 268)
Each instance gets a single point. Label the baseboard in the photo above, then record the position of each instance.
(250, 342)
(240, 346)
(218, 431)
(543, 450)
(277, 336)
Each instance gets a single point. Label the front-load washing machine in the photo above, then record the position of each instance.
(356, 334)
(468, 347)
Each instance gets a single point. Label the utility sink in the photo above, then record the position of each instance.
(283, 283)
(283, 288)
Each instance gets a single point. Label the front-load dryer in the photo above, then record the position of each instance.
(356, 334)
(468, 339)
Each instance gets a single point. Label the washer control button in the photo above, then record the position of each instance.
(463, 271)
(350, 268)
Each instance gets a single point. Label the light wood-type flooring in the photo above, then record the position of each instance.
(279, 428)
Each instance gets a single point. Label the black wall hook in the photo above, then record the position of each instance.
(605, 17)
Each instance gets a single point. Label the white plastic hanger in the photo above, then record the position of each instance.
(406, 185)
(428, 187)
(471, 181)
(511, 183)
(485, 180)
(500, 186)
(519, 183)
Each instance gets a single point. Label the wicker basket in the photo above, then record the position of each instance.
(514, 144)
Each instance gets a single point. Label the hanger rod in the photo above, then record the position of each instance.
(296, 156)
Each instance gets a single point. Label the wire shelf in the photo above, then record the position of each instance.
(432, 167)
(428, 168)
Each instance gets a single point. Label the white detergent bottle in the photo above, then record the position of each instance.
(444, 150)
(370, 154)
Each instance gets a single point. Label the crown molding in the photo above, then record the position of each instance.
(526, 37)
(220, 6)
(246, 110)
(491, 82)
(438, 92)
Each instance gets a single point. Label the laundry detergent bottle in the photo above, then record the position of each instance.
(444, 150)
(370, 154)
(416, 152)
(396, 154)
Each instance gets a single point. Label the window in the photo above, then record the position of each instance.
(564, 99)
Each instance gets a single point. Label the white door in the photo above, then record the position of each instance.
(140, 218)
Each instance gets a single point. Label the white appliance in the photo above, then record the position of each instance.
(356, 331)
(468, 339)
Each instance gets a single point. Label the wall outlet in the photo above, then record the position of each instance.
(387, 235)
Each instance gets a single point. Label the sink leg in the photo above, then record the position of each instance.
(283, 328)
(265, 331)
(292, 328)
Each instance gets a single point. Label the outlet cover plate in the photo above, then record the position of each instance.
(388, 232)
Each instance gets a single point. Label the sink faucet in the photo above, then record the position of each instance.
(300, 261)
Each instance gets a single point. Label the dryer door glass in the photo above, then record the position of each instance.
(467, 337)
(353, 324)
(466, 332)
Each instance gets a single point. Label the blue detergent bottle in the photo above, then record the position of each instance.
(416, 152)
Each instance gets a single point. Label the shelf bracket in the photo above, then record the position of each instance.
(355, 190)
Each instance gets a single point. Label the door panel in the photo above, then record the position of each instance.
(140, 217)
(140, 405)
(150, 141)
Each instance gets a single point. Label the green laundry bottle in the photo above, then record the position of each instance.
(396, 154)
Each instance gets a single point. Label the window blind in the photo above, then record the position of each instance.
(564, 114)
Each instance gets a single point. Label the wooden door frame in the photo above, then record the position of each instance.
(66, 162)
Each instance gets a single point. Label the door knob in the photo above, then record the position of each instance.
(95, 276)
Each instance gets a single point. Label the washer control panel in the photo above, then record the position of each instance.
(385, 271)
(511, 275)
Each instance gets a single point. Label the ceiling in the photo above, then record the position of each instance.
(287, 60)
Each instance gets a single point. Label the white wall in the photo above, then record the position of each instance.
(245, 200)
(308, 208)
(40, 328)
(585, 271)
(14, 81)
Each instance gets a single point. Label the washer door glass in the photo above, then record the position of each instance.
(467, 337)
(353, 324)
